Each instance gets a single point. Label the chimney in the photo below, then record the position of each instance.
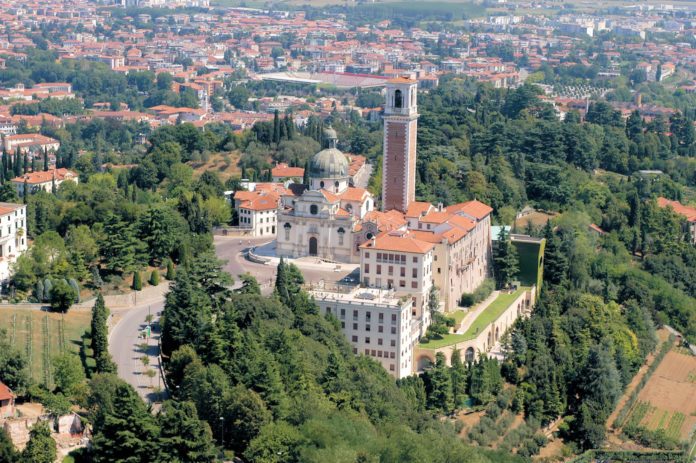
(439, 207)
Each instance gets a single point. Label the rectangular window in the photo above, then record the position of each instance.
(392, 343)
(392, 355)
(379, 269)
(415, 259)
(402, 283)
(379, 353)
(355, 315)
(343, 313)
(414, 273)
(391, 270)
(391, 367)
(380, 329)
(354, 339)
(367, 340)
(343, 325)
(368, 316)
(414, 284)
(403, 272)
(381, 317)
(367, 255)
(355, 350)
(393, 330)
(393, 319)
(379, 341)
(355, 327)
(374, 354)
(379, 256)
(367, 268)
(367, 351)
(367, 327)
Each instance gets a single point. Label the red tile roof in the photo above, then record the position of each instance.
(5, 392)
(34, 178)
(283, 170)
(400, 243)
(686, 211)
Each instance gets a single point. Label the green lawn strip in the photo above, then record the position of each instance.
(458, 315)
(485, 318)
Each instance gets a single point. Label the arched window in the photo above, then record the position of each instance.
(336, 185)
(313, 209)
(398, 99)
(341, 233)
(321, 184)
(287, 228)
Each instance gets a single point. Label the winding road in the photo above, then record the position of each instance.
(127, 346)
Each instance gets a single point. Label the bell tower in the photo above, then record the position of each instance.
(399, 157)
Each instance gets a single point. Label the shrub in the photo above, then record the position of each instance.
(481, 293)
(171, 273)
(154, 278)
(137, 281)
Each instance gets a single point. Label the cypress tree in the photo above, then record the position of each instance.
(276, 127)
(170, 270)
(26, 163)
(33, 163)
(25, 193)
(137, 281)
(154, 278)
(305, 176)
(18, 163)
(100, 339)
(4, 164)
(45, 156)
(505, 260)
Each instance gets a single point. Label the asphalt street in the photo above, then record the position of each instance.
(125, 342)
(127, 345)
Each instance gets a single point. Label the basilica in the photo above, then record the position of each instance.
(325, 220)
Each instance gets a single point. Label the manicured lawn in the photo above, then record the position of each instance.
(43, 335)
(458, 315)
(485, 318)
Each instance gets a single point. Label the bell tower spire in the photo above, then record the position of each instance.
(399, 157)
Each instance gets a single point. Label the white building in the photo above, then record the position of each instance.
(378, 323)
(13, 236)
(325, 220)
(258, 212)
(43, 180)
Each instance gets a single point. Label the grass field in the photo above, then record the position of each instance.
(668, 400)
(42, 335)
(224, 164)
(485, 318)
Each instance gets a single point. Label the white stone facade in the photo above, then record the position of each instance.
(377, 323)
(13, 237)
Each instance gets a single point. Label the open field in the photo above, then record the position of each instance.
(43, 335)
(668, 400)
(224, 164)
(537, 219)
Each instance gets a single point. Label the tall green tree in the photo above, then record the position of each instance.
(440, 396)
(183, 437)
(505, 260)
(127, 432)
(41, 447)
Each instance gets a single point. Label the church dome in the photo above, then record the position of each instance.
(329, 163)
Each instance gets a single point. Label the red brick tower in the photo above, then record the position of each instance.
(399, 158)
